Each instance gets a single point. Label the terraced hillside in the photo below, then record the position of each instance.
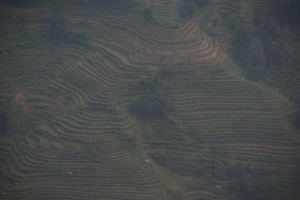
(99, 103)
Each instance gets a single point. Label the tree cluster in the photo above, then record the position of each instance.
(249, 185)
(258, 45)
(287, 13)
(149, 103)
(59, 30)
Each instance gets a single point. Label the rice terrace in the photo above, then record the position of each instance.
(150, 99)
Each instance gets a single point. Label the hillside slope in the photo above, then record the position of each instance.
(99, 103)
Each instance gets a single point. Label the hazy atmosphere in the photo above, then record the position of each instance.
(150, 99)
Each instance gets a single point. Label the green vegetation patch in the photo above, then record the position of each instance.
(149, 102)
(248, 184)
